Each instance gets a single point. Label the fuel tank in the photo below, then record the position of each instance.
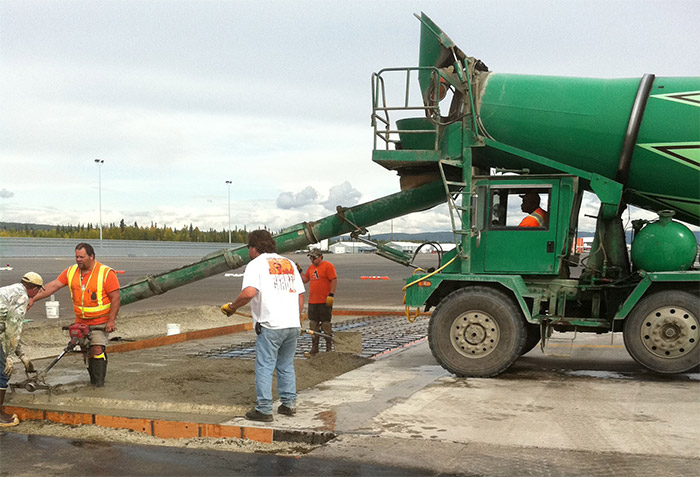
(664, 246)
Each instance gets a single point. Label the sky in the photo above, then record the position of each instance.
(178, 97)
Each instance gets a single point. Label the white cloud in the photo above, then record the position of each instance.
(343, 194)
(289, 200)
(6, 194)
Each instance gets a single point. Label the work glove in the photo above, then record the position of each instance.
(227, 310)
(301, 270)
(28, 365)
(8, 367)
(329, 300)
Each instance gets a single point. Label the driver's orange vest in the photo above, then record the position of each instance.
(538, 218)
(89, 298)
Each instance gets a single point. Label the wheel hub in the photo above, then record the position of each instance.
(474, 334)
(670, 332)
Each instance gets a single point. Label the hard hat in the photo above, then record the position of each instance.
(33, 278)
(315, 253)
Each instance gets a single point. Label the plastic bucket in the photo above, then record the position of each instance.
(173, 329)
(51, 309)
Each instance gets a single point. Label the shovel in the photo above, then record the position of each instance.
(343, 341)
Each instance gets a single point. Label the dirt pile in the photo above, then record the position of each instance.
(44, 337)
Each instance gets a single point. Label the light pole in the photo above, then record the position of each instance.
(99, 188)
(229, 211)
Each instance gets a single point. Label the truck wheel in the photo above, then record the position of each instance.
(661, 333)
(532, 338)
(476, 332)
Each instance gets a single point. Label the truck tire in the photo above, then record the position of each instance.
(476, 332)
(661, 332)
(532, 337)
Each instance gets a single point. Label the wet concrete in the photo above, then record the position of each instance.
(41, 456)
(552, 413)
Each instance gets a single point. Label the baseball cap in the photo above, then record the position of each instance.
(315, 252)
(33, 278)
(529, 193)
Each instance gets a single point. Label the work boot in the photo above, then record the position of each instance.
(328, 329)
(91, 371)
(6, 420)
(314, 345)
(99, 371)
(255, 415)
(286, 410)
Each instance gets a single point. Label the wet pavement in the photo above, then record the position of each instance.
(41, 456)
(593, 411)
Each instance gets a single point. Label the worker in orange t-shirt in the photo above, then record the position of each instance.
(94, 289)
(531, 205)
(322, 280)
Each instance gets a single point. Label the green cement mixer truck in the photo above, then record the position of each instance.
(486, 142)
(496, 140)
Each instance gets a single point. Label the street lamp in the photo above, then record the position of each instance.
(229, 211)
(99, 163)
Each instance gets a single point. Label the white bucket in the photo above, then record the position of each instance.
(51, 309)
(173, 329)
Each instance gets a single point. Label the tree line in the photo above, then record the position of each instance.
(122, 231)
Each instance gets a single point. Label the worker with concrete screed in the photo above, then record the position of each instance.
(94, 289)
(14, 300)
(323, 280)
(274, 288)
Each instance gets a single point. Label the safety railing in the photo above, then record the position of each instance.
(386, 113)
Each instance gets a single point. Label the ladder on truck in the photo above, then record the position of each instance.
(455, 204)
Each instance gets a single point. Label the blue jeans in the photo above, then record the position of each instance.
(4, 378)
(274, 349)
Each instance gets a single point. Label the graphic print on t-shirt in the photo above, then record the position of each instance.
(282, 273)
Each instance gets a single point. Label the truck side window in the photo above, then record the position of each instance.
(520, 208)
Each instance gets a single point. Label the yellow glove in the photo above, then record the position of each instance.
(329, 300)
(227, 310)
(8, 367)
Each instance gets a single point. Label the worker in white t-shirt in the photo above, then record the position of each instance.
(273, 287)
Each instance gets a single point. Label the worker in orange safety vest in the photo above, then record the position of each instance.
(531, 205)
(94, 289)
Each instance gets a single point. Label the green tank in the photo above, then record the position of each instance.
(664, 246)
(582, 122)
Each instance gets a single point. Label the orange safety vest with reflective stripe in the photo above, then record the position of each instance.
(90, 301)
(535, 219)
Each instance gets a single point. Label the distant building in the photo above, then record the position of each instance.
(351, 247)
